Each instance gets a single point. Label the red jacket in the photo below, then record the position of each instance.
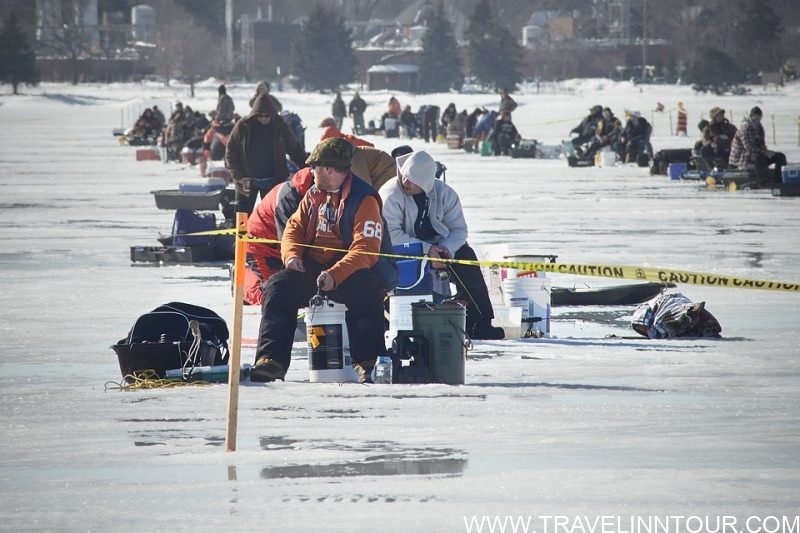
(266, 257)
(331, 131)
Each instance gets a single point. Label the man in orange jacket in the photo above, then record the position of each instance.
(331, 244)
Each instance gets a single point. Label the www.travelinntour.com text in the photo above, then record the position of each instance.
(631, 524)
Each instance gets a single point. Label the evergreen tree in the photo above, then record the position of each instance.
(494, 54)
(758, 37)
(714, 70)
(17, 58)
(324, 57)
(440, 64)
(208, 13)
(479, 36)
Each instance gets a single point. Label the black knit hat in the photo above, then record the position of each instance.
(401, 150)
(756, 111)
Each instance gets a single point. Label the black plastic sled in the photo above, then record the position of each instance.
(575, 161)
(628, 294)
(163, 339)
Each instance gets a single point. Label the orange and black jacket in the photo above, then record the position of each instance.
(346, 230)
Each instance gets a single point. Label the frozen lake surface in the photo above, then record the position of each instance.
(580, 424)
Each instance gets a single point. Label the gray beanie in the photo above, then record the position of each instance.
(419, 168)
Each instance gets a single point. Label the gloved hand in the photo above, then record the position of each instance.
(243, 186)
(436, 252)
(295, 263)
(325, 281)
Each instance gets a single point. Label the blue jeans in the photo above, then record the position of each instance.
(258, 186)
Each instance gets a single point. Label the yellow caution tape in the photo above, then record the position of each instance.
(664, 275)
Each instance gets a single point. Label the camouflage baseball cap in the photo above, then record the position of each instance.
(333, 152)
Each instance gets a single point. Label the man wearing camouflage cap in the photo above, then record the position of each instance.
(340, 216)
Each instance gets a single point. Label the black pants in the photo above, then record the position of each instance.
(778, 159)
(358, 123)
(430, 129)
(503, 144)
(258, 189)
(289, 290)
(471, 285)
(715, 157)
(582, 139)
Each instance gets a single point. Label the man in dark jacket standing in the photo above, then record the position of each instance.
(338, 110)
(225, 106)
(257, 150)
(507, 104)
(357, 107)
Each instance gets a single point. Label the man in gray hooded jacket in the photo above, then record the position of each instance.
(419, 208)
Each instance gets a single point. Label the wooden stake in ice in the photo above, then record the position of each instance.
(236, 337)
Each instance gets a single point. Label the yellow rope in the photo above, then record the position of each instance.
(149, 379)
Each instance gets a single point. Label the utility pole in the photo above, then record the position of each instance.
(644, 40)
(228, 37)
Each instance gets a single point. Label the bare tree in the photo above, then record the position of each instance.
(67, 37)
(186, 50)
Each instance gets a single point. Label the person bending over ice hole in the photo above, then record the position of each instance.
(418, 207)
(586, 129)
(340, 212)
(608, 131)
(506, 135)
(635, 139)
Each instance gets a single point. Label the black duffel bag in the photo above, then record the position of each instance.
(663, 158)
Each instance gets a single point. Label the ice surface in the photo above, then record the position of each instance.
(579, 424)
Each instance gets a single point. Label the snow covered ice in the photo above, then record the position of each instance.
(575, 425)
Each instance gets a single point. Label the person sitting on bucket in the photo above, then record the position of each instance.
(418, 207)
(718, 135)
(341, 217)
(635, 138)
(749, 147)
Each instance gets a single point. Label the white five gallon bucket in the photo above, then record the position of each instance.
(532, 294)
(400, 316)
(516, 273)
(328, 344)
